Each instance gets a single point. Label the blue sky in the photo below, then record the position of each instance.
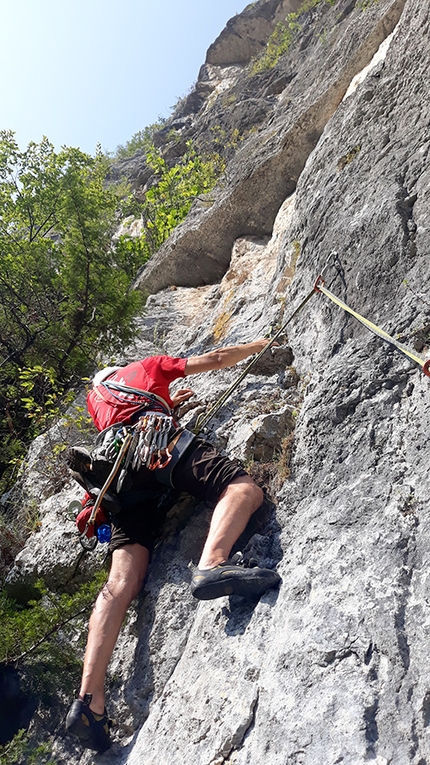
(84, 72)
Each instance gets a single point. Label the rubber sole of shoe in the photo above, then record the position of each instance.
(241, 583)
(78, 459)
(89, 737)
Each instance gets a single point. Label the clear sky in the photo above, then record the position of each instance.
(84, 72)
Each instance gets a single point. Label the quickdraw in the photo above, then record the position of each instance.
(144, 444)
(425, 365)
(151, 445)
(319, 286)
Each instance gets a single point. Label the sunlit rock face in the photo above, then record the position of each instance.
(333, 424)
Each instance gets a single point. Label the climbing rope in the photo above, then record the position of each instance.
(144, 444)
(203, 419)
(319, 286)
(425, 365)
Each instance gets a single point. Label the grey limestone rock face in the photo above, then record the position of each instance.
(246, 34)
(266, 168)
(332, 668)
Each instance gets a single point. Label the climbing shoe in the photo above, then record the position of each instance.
(78, 459)
(232, 578)
(91, 729)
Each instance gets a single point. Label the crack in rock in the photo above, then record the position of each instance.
(236, 740)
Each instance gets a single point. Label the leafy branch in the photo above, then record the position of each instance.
(24, 631)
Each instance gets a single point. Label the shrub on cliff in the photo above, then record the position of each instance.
(166, 203)
(41, 643)
(142, 140)
(283, 36)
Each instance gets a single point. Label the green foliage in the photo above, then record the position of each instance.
(168, 201)
(33, 399)
(296, 247)
(365, 4)
(60, 284)
(279, 43)
(20, 751)
(80, 420)
(140, 140)
(37, 637)
(41, 394)
(133, 251)
(348, 157)
(223, 141)
(282, 37)
(64, 294)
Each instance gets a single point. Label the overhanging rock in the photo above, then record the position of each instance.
(266, 169)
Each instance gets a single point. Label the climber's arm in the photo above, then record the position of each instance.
(223, 357)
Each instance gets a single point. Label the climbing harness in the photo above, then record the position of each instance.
(146, 443)
(89, 544)
(177, 449)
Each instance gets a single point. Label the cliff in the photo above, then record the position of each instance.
(334, 424)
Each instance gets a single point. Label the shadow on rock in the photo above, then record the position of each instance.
(16, 707)
(240, 612)
(260, 542)
(260, 545)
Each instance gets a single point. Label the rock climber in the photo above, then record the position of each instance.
(202, 472)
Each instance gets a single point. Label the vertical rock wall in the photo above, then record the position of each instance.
(332, 667)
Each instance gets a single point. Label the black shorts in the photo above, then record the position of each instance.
(201, 472)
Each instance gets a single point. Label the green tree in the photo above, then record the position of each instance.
(43, 640)
(64, 295)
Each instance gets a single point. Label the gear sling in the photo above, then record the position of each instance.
(143, 437)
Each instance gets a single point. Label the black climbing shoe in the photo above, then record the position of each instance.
(78, 459)
(229, 578)
(91, 729)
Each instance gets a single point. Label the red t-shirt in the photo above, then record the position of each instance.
(153, 374)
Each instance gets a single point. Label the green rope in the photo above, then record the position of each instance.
(203, 419)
